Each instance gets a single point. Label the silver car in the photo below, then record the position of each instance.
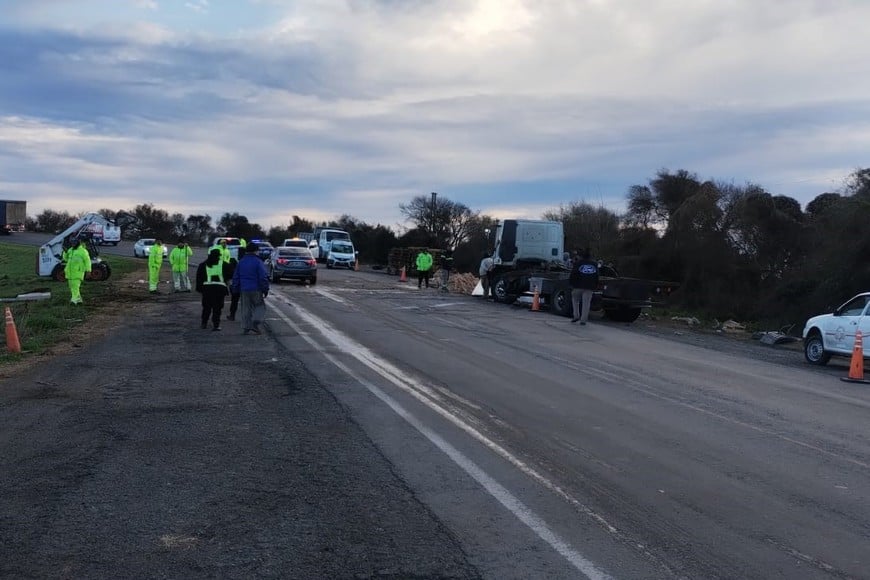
(142, 248)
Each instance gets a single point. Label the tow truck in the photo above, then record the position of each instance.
(50, 258)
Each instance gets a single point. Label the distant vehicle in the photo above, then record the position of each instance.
(832, 334)
(323, 237)
(233, 245)
(12, 216)
(264, 249)
(341, 255)
(292, 263)
(142, 248)
(105, 234)
(299, 243)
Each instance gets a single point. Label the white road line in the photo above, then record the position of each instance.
(425, 394)
(331, 296)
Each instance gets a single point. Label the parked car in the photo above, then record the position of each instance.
(832, 334)
(264, 249)
(142, 248)
(296, 243)
(292, 263)
(341, 255)
(233, 245)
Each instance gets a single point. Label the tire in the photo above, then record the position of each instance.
(500, 292)
(57, 274)
(562, 304)
(622, 314)
(328, 266)
(101, 272)
(814, 349)
(312, 281)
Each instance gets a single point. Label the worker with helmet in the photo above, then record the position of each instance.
(78, 261)
(155, 261)
(179, 260)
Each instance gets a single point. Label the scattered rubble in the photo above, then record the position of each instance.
(690, 320)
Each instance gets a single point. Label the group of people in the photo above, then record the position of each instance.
(245, 280)
(425, 265)
(583, 278)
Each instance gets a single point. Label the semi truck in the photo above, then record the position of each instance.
(12, 216)
(528, 256)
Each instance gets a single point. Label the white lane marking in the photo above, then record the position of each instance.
(426, 395)
(331, 296)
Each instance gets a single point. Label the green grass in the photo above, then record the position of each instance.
(44, 323)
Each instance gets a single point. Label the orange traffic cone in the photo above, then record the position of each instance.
(856, 369)
(536, 301)
(12, 342)
(403, 277)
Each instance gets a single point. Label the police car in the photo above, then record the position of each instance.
(827, 335)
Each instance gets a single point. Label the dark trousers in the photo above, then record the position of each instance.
(423, 275)
(234, 303)
(212, 303)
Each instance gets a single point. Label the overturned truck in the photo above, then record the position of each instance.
(528, 256)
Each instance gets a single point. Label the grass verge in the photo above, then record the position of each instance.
(45, 323)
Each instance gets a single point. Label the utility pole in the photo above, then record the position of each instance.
(434, 217)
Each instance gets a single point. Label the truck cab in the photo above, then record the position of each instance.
(519, 243)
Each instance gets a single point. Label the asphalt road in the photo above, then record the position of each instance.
(380, 431)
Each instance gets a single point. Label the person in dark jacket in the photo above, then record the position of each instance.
(446, 265)
(252, 282)
(235, 293)
(211, 277)
(584, 281)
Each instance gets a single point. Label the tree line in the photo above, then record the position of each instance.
(736, 251)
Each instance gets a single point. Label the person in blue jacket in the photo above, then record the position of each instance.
(251, 281)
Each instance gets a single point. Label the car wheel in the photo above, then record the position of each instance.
(313, 280)
(814, 349)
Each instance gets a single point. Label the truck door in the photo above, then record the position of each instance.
(850, 317)
(507, 246)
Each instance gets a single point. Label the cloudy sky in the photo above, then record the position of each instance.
(318, 108)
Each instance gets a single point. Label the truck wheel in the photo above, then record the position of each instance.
(814, 349)
(562, 304)
(100, 272)
(500, 292)
(58, 275)
(622, 314)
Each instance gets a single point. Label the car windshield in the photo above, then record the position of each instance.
(148, 242)
(337, 236)
(342, 248)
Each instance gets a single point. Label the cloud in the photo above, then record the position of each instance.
(334, 107)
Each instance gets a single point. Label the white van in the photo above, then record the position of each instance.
(341, 255)
(323, 237)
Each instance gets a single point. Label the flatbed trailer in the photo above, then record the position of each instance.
(621, 299)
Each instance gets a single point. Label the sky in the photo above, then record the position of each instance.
(321, 108)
